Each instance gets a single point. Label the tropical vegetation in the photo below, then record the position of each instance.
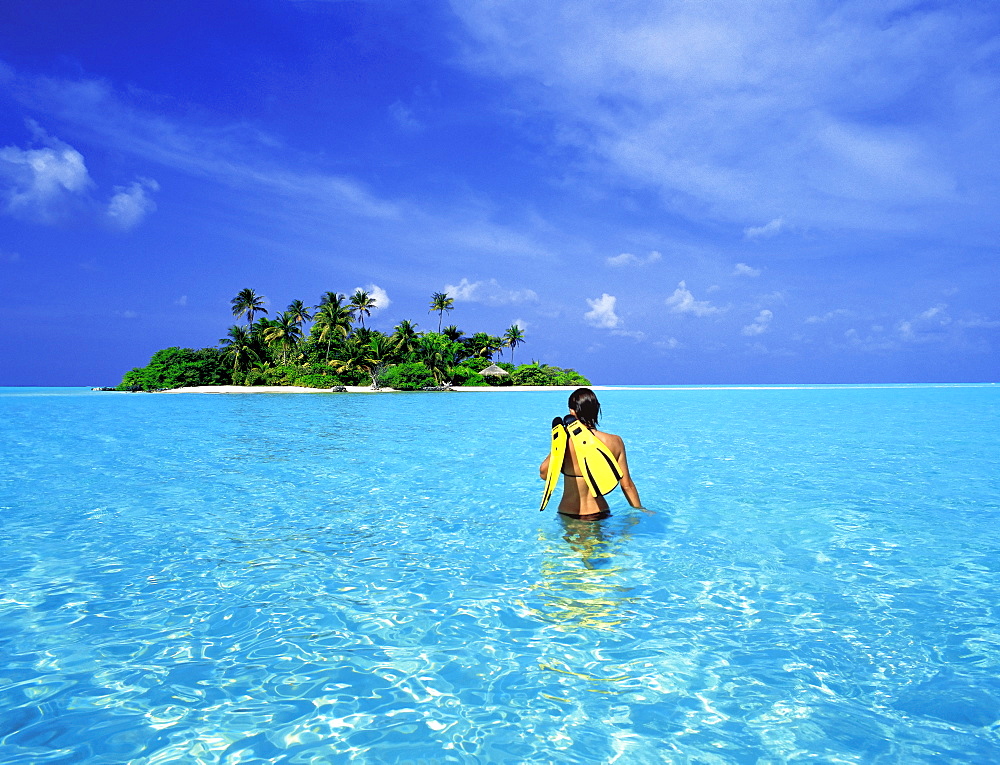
(329, 345)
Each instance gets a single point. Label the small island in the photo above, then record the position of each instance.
(329, 347)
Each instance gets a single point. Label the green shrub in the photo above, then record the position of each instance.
(476, 364)
(178, 368)
(280, 375)
(532, 374)
(463, 374)
(572, 377)
(314, 380)
(253, 376)
(542, 374)
(411, 375)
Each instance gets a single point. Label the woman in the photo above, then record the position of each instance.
(577, 501)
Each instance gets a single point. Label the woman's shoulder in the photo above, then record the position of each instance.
(610, 439)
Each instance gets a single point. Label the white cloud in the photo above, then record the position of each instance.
(977, 322)
(682, 301)
(379, 295)
(602, 312)
(625, 259)
(132, 203)
(402, 115)
(839, 313)
(732, 108)
(181, 301)
(773, 228)
(9, 257)
(489, 292)
(742, 269)
(937, 311)
(634, 334)
(40, 184)
(128, 314)
(669, 344)
(273, 182)
(628, 259)
(926, 326)
(759, 325)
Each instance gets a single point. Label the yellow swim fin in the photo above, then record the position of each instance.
(597, 463)
(557, 451)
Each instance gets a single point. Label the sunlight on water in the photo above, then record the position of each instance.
(295, 578)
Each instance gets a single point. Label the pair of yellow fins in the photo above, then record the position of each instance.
(597, 463)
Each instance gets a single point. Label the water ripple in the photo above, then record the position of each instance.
(237, 579)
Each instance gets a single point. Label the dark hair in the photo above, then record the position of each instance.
(587, 407)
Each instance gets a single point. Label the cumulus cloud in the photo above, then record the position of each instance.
(926, 326)
(181, 301)
(759, 325)
(42, 184)
(772, 228)
(132, 203)
(602, 312)
(628, 259)
(742, 269)
(489, 292)
(682, 301)
(379, 295)
(668, 344)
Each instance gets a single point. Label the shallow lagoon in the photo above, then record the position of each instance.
(356, 578)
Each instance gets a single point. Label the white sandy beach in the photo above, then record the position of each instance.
(531, 388)
(366, 389)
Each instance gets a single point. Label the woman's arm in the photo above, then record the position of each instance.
(543, 471)
(628, 486)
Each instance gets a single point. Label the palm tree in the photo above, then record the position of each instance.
(285, 333)
(239, 348)
(405, 337)
(247, 302)
(440, 302)
(512, 338)
(453, 333)
(438, 354)
(362, 304)
(362, 335)
(484, 345)
(299, 311)
(380, 351)
(370, 357)
(331, 297)
(331, 319)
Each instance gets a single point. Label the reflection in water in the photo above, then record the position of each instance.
(582, 583)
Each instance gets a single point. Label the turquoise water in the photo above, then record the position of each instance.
(353, 578)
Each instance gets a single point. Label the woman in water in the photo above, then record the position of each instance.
(577, 501)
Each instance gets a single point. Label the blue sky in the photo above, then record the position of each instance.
(665, 192)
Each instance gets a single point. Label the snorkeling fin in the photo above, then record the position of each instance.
(556, 454)
(597, 463)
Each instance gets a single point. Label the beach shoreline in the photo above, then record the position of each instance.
(367, 389)
(244, 389)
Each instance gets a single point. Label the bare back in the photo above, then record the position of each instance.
(576, 498)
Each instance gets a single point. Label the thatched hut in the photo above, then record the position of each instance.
(494, 371)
